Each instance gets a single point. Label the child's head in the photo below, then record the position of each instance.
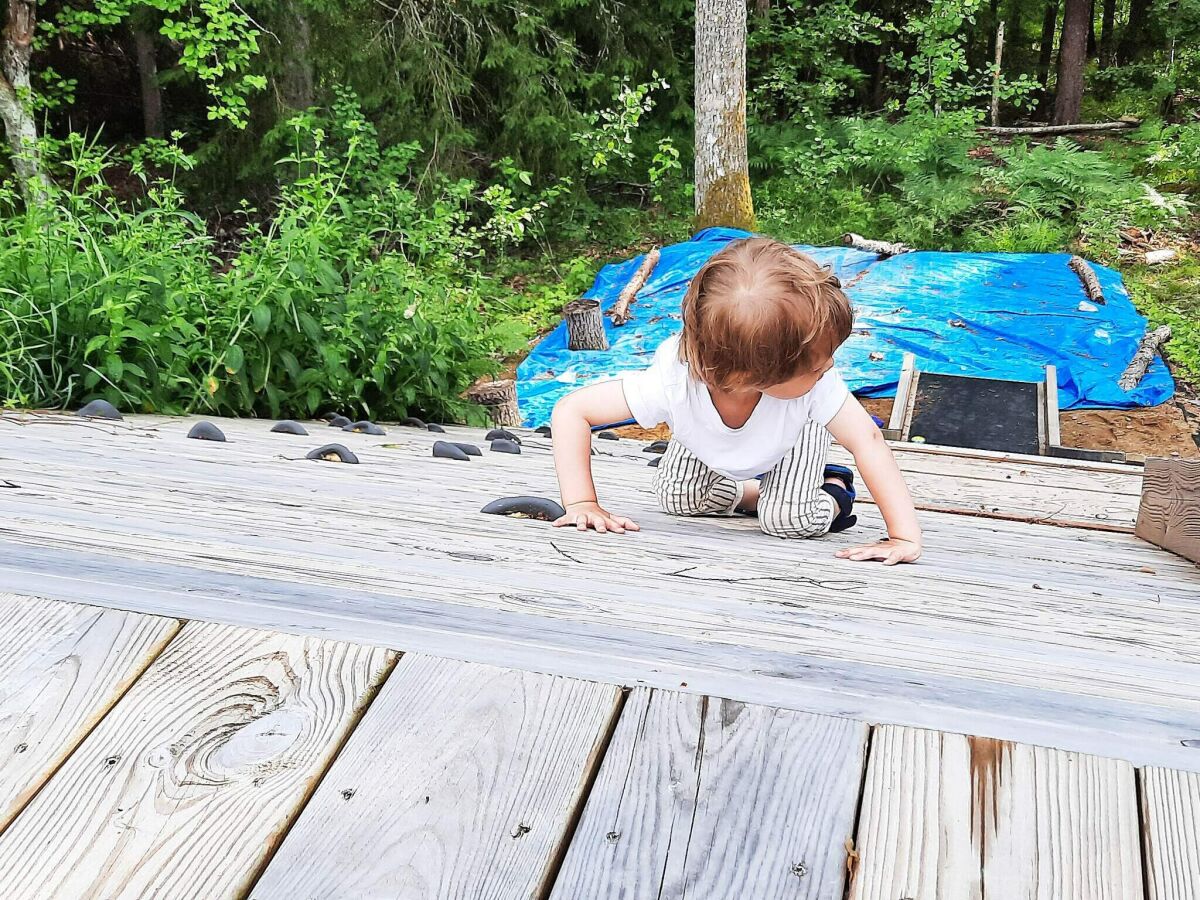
(762, 316)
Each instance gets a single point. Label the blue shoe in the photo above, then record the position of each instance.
(843, 496)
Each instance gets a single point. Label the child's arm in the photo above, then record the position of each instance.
(574, 416)
(857, 432)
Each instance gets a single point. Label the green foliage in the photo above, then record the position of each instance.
(217, 38)
(356, 293)
(1170, 295)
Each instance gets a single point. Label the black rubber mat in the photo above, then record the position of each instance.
(980, 413)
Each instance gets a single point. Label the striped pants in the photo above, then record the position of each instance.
(791, 503)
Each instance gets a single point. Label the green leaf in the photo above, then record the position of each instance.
(234, 358)
(261, 315)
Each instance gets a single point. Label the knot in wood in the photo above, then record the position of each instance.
(613, 836)
(347, 793)
(799, 869)
(520, 831)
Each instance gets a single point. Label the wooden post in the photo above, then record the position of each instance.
(499, 398)
(1147, 349)
(996, 76)
(1087, 275)
(585, 325)
(1169, 514)
(620, 312)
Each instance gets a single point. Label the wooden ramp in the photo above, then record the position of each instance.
(228, 671)
(246, 763)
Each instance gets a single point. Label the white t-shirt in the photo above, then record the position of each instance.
(666, 392)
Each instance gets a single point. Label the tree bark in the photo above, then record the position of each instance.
(1087, 277)
(1148, 348)
(152, 111)
(1091, 38)
(1108, 35)
(1072, 54)
(996, 75)
(499, 398)
(1134, 34)
(294, 85)
(20, 128)
(620, 311)
(585, 325)
(722, 167)
(762, 8)
(1046, 47)
(1119, 125)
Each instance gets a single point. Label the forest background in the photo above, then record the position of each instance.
(280, 207)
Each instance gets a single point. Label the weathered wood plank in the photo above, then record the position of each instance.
(1039, 634)
(712, 799)
(1171, 833)
(62, 666)
(187, 785)
(460, 781)
(948, 817)
(1169, 514)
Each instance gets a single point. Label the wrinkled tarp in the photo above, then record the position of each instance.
(993, 315)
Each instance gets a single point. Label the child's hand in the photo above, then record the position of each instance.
(891, 551)
(592, 515)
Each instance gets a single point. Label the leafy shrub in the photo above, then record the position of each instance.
(357, 292)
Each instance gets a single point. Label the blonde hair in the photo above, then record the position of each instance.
(759, 313)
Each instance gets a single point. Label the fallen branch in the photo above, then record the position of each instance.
(620, 311)
(585, 325)
(1147, 349)
(1119, 125)
(880, 248)
(1158, 257)
(1087, 275)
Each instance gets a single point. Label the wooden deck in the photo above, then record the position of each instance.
(227, 671)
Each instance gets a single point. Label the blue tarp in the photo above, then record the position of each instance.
(993, 315)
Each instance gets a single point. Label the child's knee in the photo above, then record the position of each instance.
(798, 519)
(676, 499)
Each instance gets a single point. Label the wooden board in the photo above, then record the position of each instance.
(461, 781)
(187, 785)
(1045, 635)
(947, 817)
(1169, 515)
(1171, 833)
(62, 666)
(709, 799)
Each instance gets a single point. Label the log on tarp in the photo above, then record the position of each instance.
(1087, 275)
(620, 312)
(585, 325)
(1081, 128)
(499, 398)
(880, 248)
(1147, 349)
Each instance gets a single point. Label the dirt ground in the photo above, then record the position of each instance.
(1172, 429)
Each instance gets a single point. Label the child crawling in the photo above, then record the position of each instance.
(751, 395)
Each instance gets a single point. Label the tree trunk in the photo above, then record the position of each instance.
(294, 85)
(1108, 35)
(1134, 34)
(1046, 48)
(585, 325)
(1072, 54)
(152, 112)
(19, 125)
(996, 76)
(722, 168)
(1091, 38)
(762, 8)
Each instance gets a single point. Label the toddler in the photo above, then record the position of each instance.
(751, 395)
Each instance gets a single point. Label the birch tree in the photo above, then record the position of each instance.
(20, 128)
(722, 168)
